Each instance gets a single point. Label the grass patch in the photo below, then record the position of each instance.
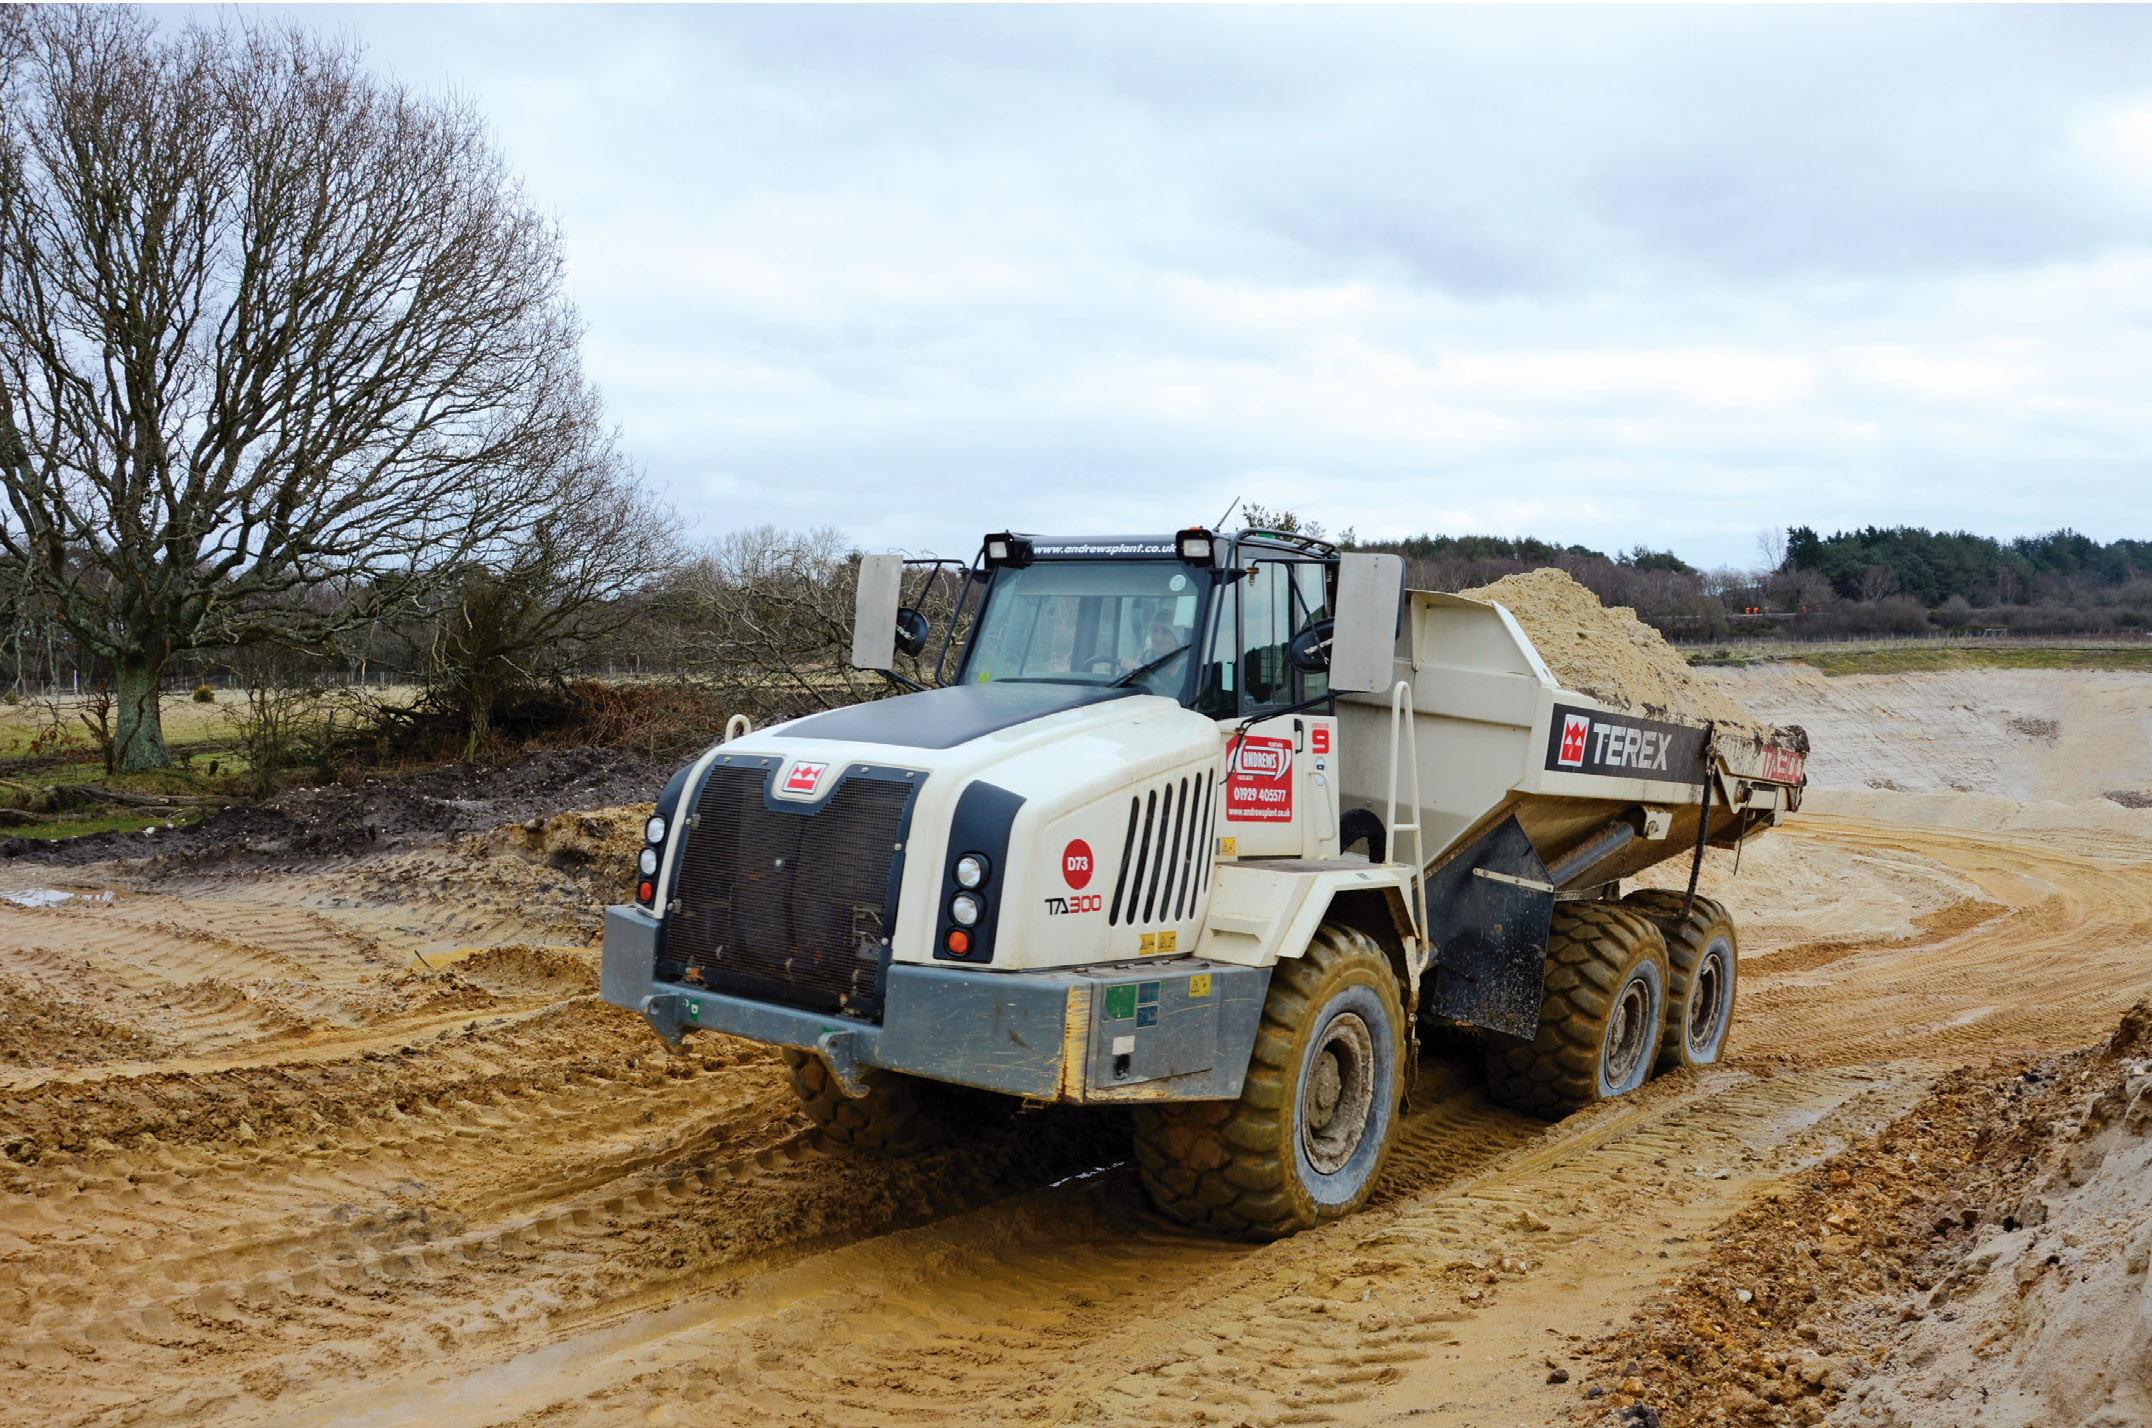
(1926, 660)
(129, 822)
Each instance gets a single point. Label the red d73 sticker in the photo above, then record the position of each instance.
(1259, 782)
(1076, 863)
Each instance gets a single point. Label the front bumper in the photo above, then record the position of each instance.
(1174, 1030)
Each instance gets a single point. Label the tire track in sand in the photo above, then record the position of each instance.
(1079, 1304)
(2068, 947)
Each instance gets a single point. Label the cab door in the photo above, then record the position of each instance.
(1280, 792)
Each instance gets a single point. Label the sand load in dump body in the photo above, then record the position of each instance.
(1529, 793)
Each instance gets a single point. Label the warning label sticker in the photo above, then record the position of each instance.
(1259, 781)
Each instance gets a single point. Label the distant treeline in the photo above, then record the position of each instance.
(1932, 566)
(1902, 580)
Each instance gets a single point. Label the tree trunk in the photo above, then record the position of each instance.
(138, 729)
(479, 697)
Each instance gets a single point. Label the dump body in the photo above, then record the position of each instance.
(1529, 792)
(1497, 737)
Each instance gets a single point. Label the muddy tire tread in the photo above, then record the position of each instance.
(899, 1116)
(1220, 1165)
(1557, 1072)
(1686, 940)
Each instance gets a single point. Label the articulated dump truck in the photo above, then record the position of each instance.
(1211, 826)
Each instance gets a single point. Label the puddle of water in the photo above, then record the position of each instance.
(1084, 1177)
(48, 897)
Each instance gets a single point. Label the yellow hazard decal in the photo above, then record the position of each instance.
(1199, 985)
(1228, 847)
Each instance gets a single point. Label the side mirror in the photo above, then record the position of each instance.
(912, 630)
(874, 616)
(1370, 601)
(1309, 651)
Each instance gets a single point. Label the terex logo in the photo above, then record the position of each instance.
(1076, 863)
(804, 777)
(1576, 730)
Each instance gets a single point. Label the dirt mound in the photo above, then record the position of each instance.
(1985, 1252)
(380, 812)
(38, 1029)
(2133, 1034)
(603, 841)
(1610, 655)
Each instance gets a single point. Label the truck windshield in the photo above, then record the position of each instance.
(1089, 622)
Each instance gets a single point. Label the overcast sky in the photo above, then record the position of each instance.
(1604, 276)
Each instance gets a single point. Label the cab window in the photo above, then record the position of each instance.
(1088, 622)
(1277, 602)
(1218, 686)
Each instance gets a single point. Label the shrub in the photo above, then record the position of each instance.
(203, 694)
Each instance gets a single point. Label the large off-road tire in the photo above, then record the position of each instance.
(1703, 969)
(900, 1115)
(1306, 1140)
(1600, 1020)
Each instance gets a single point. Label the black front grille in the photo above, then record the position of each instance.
(791, 904)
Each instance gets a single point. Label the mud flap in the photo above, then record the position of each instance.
(1489, 909)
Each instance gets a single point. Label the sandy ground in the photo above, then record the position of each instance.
(345, 1136)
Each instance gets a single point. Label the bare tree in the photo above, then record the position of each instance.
(1877, 581)
(766, 615)
(280, 345)
(1771, 546)
(521, 613)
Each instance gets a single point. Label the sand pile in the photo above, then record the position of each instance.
(1983, 1259)
(2044, 1315)
(1610, 655)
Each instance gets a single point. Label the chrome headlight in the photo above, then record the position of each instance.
(964, 910)
(970, 870)
(646, 862)
(654, 830)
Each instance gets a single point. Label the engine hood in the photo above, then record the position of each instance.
(944, 718)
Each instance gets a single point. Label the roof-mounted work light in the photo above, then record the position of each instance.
(1008, 549)
(1195, 545)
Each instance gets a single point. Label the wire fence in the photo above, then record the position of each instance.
(180, 682)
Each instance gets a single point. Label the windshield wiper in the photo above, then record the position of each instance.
(1143, 669)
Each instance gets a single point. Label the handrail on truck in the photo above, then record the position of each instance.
(1407, 743)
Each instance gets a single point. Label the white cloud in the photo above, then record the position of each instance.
(1657, 277)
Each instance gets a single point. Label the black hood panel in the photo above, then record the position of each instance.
(944, 718)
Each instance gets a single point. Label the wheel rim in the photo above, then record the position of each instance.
(1707, 1005)
(1627, 1033)
(1337, 1092)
